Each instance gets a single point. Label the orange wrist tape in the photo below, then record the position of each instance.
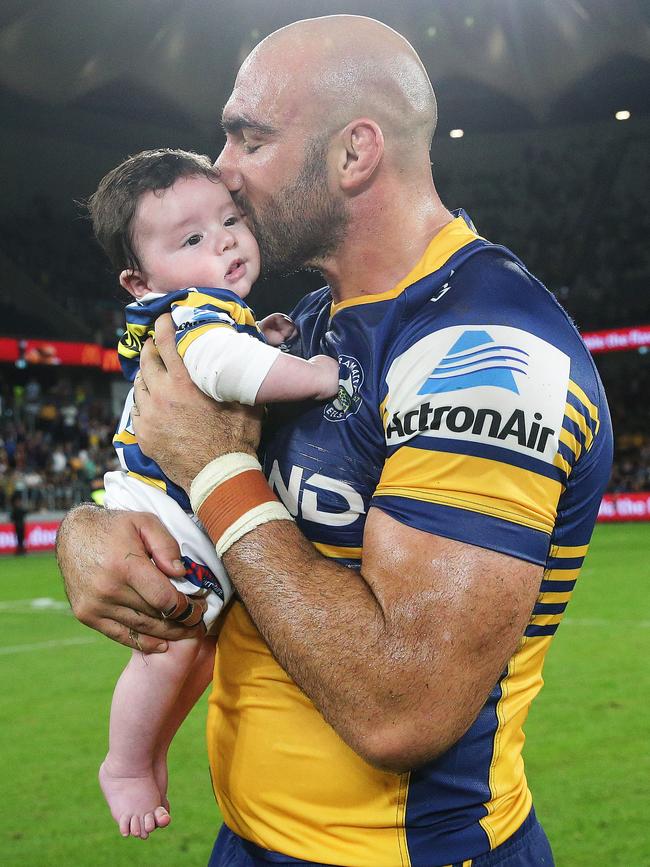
(231, 497)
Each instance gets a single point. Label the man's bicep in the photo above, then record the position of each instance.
(461, 611)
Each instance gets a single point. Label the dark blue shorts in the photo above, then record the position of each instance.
(528, 847)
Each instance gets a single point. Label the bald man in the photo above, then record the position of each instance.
(405, 552)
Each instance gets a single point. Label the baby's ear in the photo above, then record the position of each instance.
(134, 283)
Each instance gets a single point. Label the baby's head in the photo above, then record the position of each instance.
(166, 221)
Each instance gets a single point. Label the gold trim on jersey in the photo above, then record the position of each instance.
(468, 482)
(190, 336)
(561, 575)
(155, 483)
(238, 313)
(568, 552)
(562, 464)
(576, 416)
(400, 820)
(511, 799)
(576, 391)
(449, 240)
(571, 442)
(131, 342)
(124, 438)
(337, 552)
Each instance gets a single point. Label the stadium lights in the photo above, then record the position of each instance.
(456, 133)
(624, 114)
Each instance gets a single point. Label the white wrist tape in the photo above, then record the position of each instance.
(231, 497)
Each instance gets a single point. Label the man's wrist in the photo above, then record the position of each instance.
(231, 497)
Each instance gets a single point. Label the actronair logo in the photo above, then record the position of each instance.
(485, 423)
(476, 359)
(489, 384)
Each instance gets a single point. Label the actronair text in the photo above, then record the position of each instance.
(485, 423)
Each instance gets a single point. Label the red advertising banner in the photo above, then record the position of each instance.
(39, 536)
(617, 339)
(56, 352)
(625, 507)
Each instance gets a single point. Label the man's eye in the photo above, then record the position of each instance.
(250, 148)
(193, 240)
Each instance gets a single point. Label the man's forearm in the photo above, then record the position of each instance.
(380, 658)
(322, 622)
(81, 526)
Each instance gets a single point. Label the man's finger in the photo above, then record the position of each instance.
(186, 610)
(152, 634)
(122, 635)
(151, 366)
(166, 344)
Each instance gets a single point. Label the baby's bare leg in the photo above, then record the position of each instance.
(145, 714)
(198, 678)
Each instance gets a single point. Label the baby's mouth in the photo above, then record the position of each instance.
(234, 265)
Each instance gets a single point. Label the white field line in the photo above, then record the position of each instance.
(37, 606)
(47, 645)
(31, 606)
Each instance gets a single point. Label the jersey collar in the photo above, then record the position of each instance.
(450, 239)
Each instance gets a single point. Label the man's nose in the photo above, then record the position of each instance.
(230, 175)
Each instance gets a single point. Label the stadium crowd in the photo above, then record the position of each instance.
(55, 443)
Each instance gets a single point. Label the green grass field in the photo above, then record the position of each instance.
(588, 733)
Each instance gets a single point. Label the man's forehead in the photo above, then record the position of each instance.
(265, 98)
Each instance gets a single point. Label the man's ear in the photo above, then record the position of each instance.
(134, 283)
(361, 149)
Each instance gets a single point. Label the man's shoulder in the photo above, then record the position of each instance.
(486, 285)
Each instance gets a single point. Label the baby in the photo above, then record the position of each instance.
(172, 230)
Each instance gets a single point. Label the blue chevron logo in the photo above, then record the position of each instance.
(476, 359)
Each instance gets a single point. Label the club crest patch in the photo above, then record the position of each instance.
(348, 400)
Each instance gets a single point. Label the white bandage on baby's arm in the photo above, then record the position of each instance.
(228, 365)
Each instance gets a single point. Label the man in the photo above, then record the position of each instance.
(371, 685)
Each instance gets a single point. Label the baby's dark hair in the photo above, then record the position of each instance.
(112, 206)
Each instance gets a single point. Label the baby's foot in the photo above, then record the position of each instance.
(135, 801)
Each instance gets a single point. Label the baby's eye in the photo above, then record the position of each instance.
(193, 240)
(231, 221)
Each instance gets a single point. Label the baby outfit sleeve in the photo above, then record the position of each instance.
(222, 348)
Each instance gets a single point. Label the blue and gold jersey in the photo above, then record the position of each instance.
(469, 408)
(195, 312)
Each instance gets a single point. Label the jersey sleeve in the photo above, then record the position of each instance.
(476, 446)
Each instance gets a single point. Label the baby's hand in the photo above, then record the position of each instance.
(278, 328)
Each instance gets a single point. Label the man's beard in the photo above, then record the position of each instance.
(303, 224)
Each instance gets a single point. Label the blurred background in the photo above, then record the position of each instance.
(543, 138)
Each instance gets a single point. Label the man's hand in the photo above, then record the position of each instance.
(115, 566)
(176, 424)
